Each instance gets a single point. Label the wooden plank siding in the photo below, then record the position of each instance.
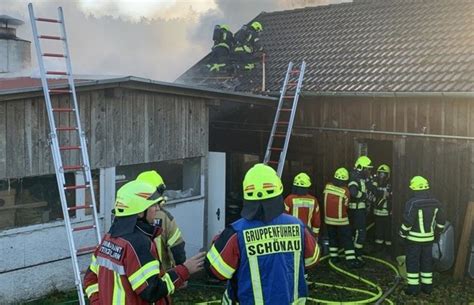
(123, 126)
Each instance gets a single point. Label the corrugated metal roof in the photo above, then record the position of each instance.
(376, 45)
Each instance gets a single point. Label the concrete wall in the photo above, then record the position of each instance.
(15, 55)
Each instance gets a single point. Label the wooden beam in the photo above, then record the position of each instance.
(460, 266)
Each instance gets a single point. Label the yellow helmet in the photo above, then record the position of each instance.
(384, 168)
(419, 183)
(135, 197)
(363, 162)
(302, 180)
(153, 178)
(261, 182)
(341, 174)
(225, 27)
(257, 26)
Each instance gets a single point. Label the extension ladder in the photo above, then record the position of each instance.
(277, 147)
(59, 132)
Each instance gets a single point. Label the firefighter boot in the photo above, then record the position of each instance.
(412, 290)
(426, 288)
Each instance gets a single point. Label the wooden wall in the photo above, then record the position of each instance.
(448, 164)
(123, 126)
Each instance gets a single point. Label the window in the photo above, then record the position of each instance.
(35, 200)
(182, 177)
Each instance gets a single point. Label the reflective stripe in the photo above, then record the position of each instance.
(159, 247)
(420, 239)
(144, 273)
(299, 301)
(316, 230)
(169, 283)
(287, 208)
(357, 205)
(350, 254)
(255, 279)
(405, 228)
(219, 264)
(336, 222)
(106, 263)
(433, 221)
(381, 212)
(119, 292)
(92, 289)
(94, 266)
(297, 259)
(427, 277)
(413, 278)
(311, 260)
(379, 241)
(222, 44)
(421, 222)
(174, 238)
(388, 243)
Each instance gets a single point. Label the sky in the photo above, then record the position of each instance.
(157, 39)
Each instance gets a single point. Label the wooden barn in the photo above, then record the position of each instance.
(132, 125)
(393, 80)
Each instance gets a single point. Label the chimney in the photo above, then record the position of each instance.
(15, 53)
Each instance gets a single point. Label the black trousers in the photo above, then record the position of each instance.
(358, 219)
(419, 262)
(383, 230)
(340, 237)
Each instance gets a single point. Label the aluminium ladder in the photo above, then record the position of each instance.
(58, 133)
(277, 147)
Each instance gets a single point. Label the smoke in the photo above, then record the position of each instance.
(157, 39)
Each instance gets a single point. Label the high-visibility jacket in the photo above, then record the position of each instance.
(383, 200)
(306, 209)
(358, 190)
(264, 261)
(125, 270)
(422, 216)
(336, 200)
(170, 243)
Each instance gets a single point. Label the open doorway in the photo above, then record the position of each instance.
(379, 151)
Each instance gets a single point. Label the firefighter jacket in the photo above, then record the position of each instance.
(358, 190)
(247, 40)
(264, 262)
(306, 208)
(222, 38)
(336, 201)
(422, 216)
(383, 200)
(169, 244)
(125, 270)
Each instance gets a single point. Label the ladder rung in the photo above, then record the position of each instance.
(50, 37)
(66, 128)
(279, 135)
(86, 250)
(282, 122)
(69, 147)
(72, 167)
(273, 162)
(56, 72)
(63, 109)
(59, 91)
(276, 148)
(75, 187)
(48, 20)
(289, 96)
(292, 83)
(286, 109)
(53, 55)
(83, 228)
(80, 207)
(295, 71)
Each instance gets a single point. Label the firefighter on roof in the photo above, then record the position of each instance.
(247, 46)
(263, 255)
(125, 268)
(223, 44)
(170, 243)
(302, 205)
(423, 221)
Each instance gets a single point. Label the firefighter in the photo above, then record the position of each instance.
(302, 205)
(247, 46)
(336, 201)
(423, 221)
(124, 267)
(358, 202)
(223, 44)
(263, 254)
(170, 243)
(383, 208)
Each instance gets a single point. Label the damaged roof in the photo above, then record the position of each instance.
(370, 46)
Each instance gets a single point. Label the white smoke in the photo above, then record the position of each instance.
(157, 39)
